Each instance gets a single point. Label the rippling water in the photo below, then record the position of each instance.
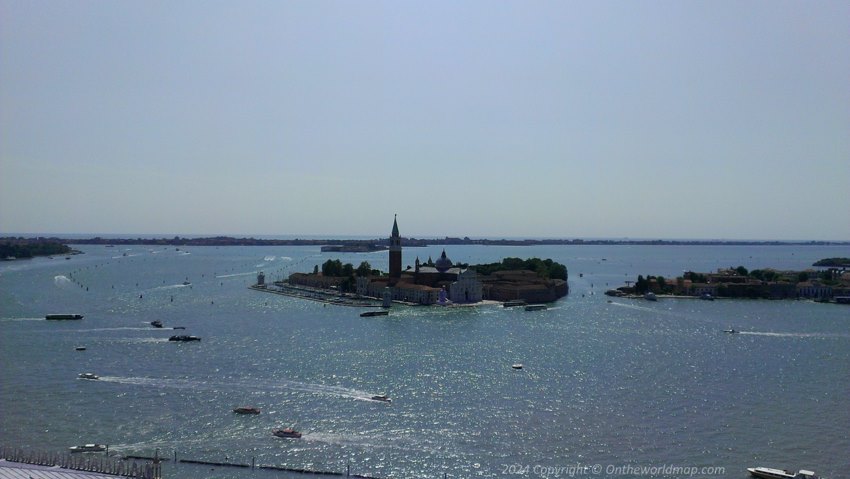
(622, 383)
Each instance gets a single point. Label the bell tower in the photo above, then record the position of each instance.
(395, 254)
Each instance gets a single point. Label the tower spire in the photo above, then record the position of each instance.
(395, 253)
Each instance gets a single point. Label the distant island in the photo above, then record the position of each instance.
(352, 245)
(833, 262)
(832, 284)
(15, 248)
(436, 282)
(441, 282)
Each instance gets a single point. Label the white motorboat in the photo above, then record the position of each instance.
(769, 473)
(88, 376)
(88, 448)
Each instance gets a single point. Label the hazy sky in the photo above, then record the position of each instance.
(679, 119)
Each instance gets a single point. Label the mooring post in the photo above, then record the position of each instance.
(348, 469)
(252, 462)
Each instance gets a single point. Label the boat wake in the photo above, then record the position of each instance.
(235, 274)
(61, 280)
(170, 286)
(269, 258)
(120, 328)
(794, 335)
(242, 385)
(22, 319)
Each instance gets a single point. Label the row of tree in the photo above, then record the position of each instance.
(30, 249)
(545, 268)
(764, 275)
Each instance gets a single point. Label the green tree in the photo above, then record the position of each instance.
(365, 269)
(332, 267)
(741, 271)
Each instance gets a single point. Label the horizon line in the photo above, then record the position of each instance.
(133, 236)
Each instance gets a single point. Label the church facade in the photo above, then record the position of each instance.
(438, 284)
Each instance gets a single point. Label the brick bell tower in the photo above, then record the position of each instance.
(395, 254)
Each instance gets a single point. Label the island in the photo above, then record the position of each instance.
(25, 248)
(828, 285)
(430, 282)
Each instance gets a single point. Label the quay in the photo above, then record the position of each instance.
(315, 294)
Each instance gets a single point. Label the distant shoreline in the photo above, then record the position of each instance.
(377, 244)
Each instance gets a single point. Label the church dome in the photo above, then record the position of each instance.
(443, 263)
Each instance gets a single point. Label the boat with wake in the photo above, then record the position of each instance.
(88, 448)
(184, 338)
(535, 307)
(731, 331)
(56, 317)
(514, 302)
(770, 473)
(287, 432)
(382, 398)
(90, 376)
(246, 410)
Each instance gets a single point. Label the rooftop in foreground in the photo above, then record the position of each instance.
(18, 470)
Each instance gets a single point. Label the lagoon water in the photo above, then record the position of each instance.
(618, 384)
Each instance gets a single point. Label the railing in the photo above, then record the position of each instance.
(85, 462)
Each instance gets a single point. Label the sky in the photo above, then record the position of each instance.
(640, 119)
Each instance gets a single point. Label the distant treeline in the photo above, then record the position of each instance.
(833, 262)
(27, 248)
(545, 268)
(415, 242)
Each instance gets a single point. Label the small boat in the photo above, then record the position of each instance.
(769, 473)
(535, 307)
(650, 296)
(382, 398)
(184, 338)
(156, 323)
(731, 331)
(179, 327)
(288, 432)
(54, 317)
(512, 303)
(246, 410)
(369, 314)
(88, 376)
(186, 283)
(706, 297)
(517, 366)
(88, 448)
(80, 348)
